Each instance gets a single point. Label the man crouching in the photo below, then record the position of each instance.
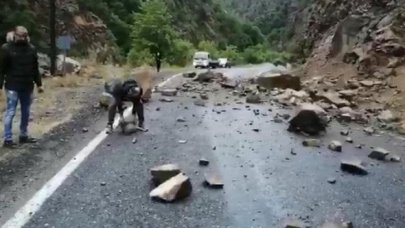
(124, 91)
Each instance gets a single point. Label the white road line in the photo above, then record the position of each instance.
(24, 214)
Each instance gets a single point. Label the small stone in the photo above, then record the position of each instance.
(163, 173)
(367, 83)
(85, 130)
(335, 146)
(181, 119)
(134, 140)
(213, 180)
(256, 130)
(386, 116)
(393, 158)
(167, 100)
(158, 109)
(312, 143)
(331, 180)
(353, 166)
(295, 223)
(214, 148)
(286, 116)
(204, 162)
(253, 99)
(359, 146)
(379, 154)
(349, 140)
(182, 141)
(369, 130)
(204, 96)
(292, 152)
(344, 132)
(200, 103)
(169, 92)
(103, 184)
(334, 225)
(175, 188)
(277, 119)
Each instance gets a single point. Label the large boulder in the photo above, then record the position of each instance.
(278, 80)
(176, 188)
(105, 100)
(307, 121)
(208, 76)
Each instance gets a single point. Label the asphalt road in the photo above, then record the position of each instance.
(265, 184)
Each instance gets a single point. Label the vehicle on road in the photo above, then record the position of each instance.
(203, 59)
(224, 63)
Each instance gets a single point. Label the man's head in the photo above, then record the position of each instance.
(21, 34)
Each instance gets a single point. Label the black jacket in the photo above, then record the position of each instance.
(119, 89)
(19, 66)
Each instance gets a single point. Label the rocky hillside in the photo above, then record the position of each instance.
(359, 45)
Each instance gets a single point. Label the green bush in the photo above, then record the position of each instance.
(138, 58)
(231, 52)
(261, 53)
(181, 54)
(210, 47)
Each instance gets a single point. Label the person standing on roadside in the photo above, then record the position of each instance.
(158, 60)
(18, 74)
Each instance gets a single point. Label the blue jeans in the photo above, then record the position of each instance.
(25, 98)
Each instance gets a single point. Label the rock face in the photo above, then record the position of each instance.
(282, 81)
(176, 188)
(163, 173)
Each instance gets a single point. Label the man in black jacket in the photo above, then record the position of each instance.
(18, 73)
(122, 91)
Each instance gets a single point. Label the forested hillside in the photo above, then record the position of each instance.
(106, 25)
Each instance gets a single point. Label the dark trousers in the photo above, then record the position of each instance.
(117, 104)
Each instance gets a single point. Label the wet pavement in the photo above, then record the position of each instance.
(269, 176)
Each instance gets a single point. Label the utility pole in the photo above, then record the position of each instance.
(52, 31)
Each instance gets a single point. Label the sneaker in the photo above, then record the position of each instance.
(109, 129)
(27, 140)
(9, 144)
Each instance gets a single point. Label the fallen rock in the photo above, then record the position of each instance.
(378, 154)
(295, 223)
(200, 103)
(176, 188)
(307, 121)
(169, 92)
(163, 173)
(213, 180)
(277, 119)
(204, 162)
(312, 142)
(181, 119)
(331, 180)
(189, 74)
(134, 140)
(367, 83)
(229, 84)
(335, 225)
(349, 140)
(348, 94)
(168, 100)
(344, 132)
(353, 166)
(204, 96)
(253, 99)
(182, 141)
(386, 116)
(393, 158)
(207, 76)
(282, 81)
(85, 130)
(335, 99)
(369, 130)
(335, 146)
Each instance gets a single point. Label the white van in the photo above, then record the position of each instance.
(201, 59)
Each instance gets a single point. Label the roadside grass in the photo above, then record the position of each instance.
(61, 97)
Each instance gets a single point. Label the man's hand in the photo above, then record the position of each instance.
(40, 89)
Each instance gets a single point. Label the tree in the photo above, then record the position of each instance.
(152, 29)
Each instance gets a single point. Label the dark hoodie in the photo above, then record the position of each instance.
(19, 66)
